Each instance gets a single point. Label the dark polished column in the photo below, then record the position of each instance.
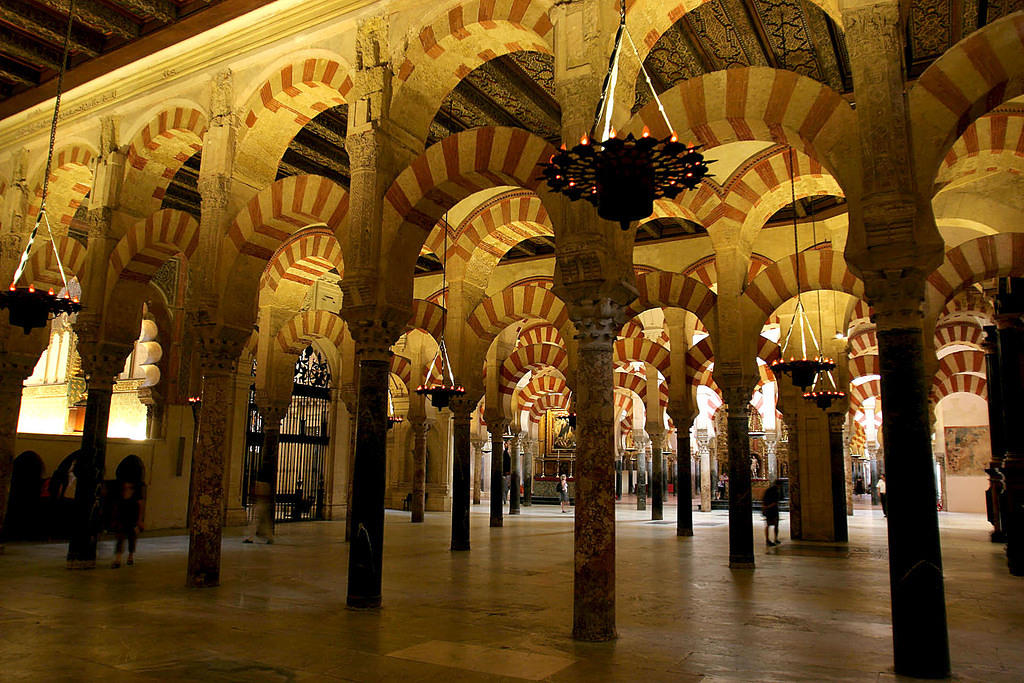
(462, 414)
(594, 534)
(684, 483)
(641, 475)
(206, 492)
(103, 364)
(838, 466)
(1010, 321)
(527, 456)
(995, 496)
(15, 368)
(920, 639)
(657, 475)
(513, 492)
(369, 475)
(420, 428)
(496, 428)
(741, 521)
(273, 412)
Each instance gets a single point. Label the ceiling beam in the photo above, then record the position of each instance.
(16, 45)
(162, 10)
(44, 25)
(100, 17)
(319, 157)
(526, 88)
(17, 73)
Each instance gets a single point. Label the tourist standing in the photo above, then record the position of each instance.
(770, 510)
(127, 523)
(881, 495)
(563, 493)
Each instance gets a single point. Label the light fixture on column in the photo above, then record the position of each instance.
(441, 392)
(30, 308)
(623, 176)
(804, 370)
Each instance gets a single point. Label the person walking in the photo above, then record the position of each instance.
(127, 523)
(563, 493)
(770, 510)
(262, 521)
(880, 486)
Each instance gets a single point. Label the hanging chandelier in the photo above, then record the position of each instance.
(28, 307)
(823, 395)
(623, 176)
(442, 391)
(804, 370)
(393, 417)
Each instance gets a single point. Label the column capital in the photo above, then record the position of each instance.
(737, 398)
(219, 348)
(897, 297)
(374, 336)
(102, 360)
(271, 408)
(462, 408)
(597, 321)
(682, 413)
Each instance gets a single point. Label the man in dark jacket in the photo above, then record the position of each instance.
(770, 510)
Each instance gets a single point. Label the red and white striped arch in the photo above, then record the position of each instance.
(992, 144)
(498, 225)
(537, 388)
(513, 303)
(963, 333)
(865, 390)
(540, 333)
(660, 289)
(150, 243)
(864, 341)
(819, 269)
(158, 150)
(864, 365)
(283, 209)
(643, 350)
(530, 358)
(968, 384)
(304, 258)
(427, 316)
(42, 268)
(308, 326)
(289, 99)
(973, 261)
(962, 362)
(401, 367)
(547, 402)
(970, 79)
(70, 181)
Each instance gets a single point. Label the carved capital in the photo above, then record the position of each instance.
(271, 409)
(597, 322)
(374, 337)
(462, 408)
(897, 298)
(737, 398)
(219, 349)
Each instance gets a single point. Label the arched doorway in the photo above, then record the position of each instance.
(60, 506)
(24, 518)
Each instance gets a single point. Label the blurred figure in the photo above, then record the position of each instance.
(127, 523)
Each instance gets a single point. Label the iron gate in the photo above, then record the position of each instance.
(301, 452)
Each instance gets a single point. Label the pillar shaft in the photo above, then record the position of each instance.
(641, 476)
(527, 456)
(462, 412)
(1010, 321)
(657, 476)
(594, 535)
(513, 492)
(741, 522)
(365, 559)
(497, 429)
(838, 467)
(419, 469)
(920, 640)
(684, 485)
(995, 495)
(14, 369)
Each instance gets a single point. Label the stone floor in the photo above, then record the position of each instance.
(502, 611)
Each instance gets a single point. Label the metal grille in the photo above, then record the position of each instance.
(304, 441)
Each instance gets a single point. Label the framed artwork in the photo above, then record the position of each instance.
(968, 450)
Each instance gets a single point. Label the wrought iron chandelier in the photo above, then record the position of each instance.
(804, 370)
(393, 417)
(28, 307)
(441, 392)
(623, 176)
(823, 395)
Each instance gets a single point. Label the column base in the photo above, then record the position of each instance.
(995, 537)
(417, 519)
(741, 562)
(203, 581)
(657, 515)
(641, 505)
(684, 532)
(358, 602)
(514, 512)
(459, 547)
(81, 564)
(594, 635)
(496, 523)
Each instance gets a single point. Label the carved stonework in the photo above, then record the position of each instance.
(597, 323)
(374, 337)
(897, 298)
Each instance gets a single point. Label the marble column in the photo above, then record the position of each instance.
(496, 427)
(420, 428)
(838, 470)
(102, 365)
(462, 414)
(657, 475)
(920, 639)
(513, 492)
(641, 470)
(741, 521)
(272, 411)
(594, 535)
(995, 497)
(478, 476)
(1010, 322)
(704, 453)
(684, 483)
(15, 368)
(527, 456)
(369, 475)
(796, 529)
(206, 494)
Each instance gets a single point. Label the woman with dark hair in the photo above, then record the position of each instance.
(127, 523)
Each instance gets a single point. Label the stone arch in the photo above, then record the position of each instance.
(968, 384)
(42, 268)
(158, 149)
(760, 103)
(864, 341)
(819, 269)
(305, 258)
(640, 349)
(304, 328)
(540, 333)
(455, 40)
(962, 362)
(993, 143)
(448, 172)
(547, 402)
(150, 243)
(290, 97)
(864, 365)
(71, 177)
(401, 367)
(526, 358)
(978, 259)
(660, 289)
(970, 79)
(427, 316)
(513, 303)
(538, 387)
(865, 390)
(959, 333)
(496, 227)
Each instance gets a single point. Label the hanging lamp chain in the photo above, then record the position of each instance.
(49, 161)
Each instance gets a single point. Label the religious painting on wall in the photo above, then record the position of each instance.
(968, 450)
(556, 433)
